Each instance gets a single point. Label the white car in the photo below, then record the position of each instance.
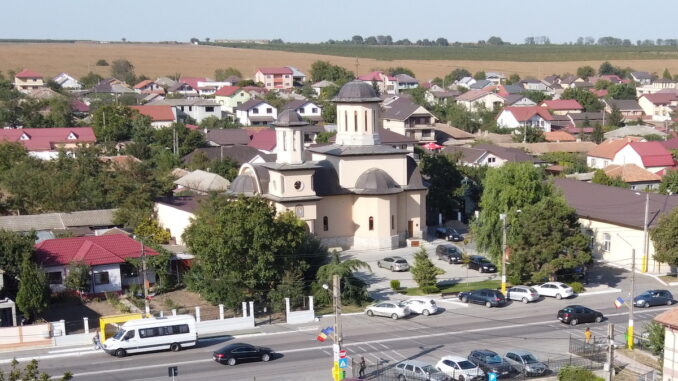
(460, 368)
(390, 309)
(524, 294)
(422, 306)
(557, 290)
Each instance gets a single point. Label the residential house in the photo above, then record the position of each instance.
(535, 85)
(183, 88)
(452, 136)
(176, 214)
(639, 131)
(521, 117)
(255, 112)
(483, 84)
(386, 84)
(161, 116)
(165, 82)
(111, 86)
(473, 99)
(489, 155)
(48, 225)
(496, 78)
(319, 86)
(563, 106)
(648, 155)
(224, 137)
(107, 257)
(638, 178)
(406, 82)
(308, 110)
(466, 82)
(232, 80)
(441, 97)
(559, 136)
(537, 149)
(571, 81)
(518, 100)
(27, 80)
(264, 139)
(197, 109)
(298, 77)
(195, 84)
(230, 97)
(67, 82)
(629, 108)
(148, 87)
(275, 77)
(407, 118)
(669, 320)
(603, 154)
(658, 105)
(506, 90)
(614, 218)
(642, 77)
(201, 182)
(240, 154)
(45, 143)
(671, 144)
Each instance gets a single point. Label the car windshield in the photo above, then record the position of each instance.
(466, 365)
(495, 359)
(484, 260)
(529, 359)
(400, 261)
(429, 369)
(118, 335)
(563, 286)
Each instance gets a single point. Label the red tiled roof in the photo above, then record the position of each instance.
(609, 148)
(27, 73)
(161, 113)
(192, 127)
(599, 93)
(275, 70)
(143, 84)
(98, 250)
(263, 140)
(562, 104)
(373, 76)
(227, 91)
(661, 98)
(44, 139)
(79, 106)
(671, 143)
(525, 113)
(193, 81)
(653, 154)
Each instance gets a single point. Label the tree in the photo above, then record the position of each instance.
(77, 278)
(494, 40)
(101, 62)
(456, 75)
(113, 123)
(536, 96)
(621, 91)
(616, 118)
(32, 298)
(585, 71)
(655, 338)
(545, 238)
(324, 136)
(513, 79)
(598, 134)
(665, 238)
(393, 71)
(653, 138)
(358, 40)
(573, 162)
(123, 70)
(506, 189)
(479, 75)
(669, 184)
(585, 98)
(606, 68)
(14, 247)
(445, 179)
(30, 373)
(424, 272)
(152, 232)
(600, 177)
(222, 74)
(529, 134)
(212, 123)
(324, 70)
(353, 289)
(291, 286)
(667, 75)
(575, 373)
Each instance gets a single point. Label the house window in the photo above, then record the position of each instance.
(190, 108)
(209, 108)
(392, 221)
(606, 242)
(593, 162)
(299, 211)
(366, 121)
(326, 223)
(128, 270)
(269, 110)
(355, 121)
(284, 140)
(298, 185)
(346, 121)
(101, 278)
(491, 159)
(255, 110)
(314, 110)
(371, 223)
(54, 277)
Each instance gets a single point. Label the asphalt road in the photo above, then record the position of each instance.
(458, 329)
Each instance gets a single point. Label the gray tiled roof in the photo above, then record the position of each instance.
(239, 154)
(58, 221)
(228, 136)
(340, 150)
(625, 104)
(400, 109)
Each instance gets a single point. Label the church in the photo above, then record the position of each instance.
(356, 193)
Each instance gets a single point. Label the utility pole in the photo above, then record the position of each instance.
(643, 267)
(503, 217)
(336, 297)
(143, 274)
(609, 365)
(629, 332)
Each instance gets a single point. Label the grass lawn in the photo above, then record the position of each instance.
(457, 287)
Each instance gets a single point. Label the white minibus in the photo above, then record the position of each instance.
(153, 334)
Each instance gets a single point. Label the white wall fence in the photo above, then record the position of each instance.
(298, 317)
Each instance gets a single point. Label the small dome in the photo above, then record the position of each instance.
(289, 118)
(243, 184)
(356, 92)
(376, 181)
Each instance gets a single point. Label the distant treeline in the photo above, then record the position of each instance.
(37, 40)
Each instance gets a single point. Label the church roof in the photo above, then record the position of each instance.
(243, 184)
(289, 118)
(342, 150)
(356, 92)
(375, 181)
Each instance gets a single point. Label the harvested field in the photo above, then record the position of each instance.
(198, 60)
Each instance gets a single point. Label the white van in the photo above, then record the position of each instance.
(153, 334)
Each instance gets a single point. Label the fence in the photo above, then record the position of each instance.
(650, 376)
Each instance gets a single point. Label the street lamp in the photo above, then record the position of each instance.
(503, 217)
(336, 302)
(147, 307)
(629, 332)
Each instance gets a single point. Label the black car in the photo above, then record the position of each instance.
(482, 264)
(449, 234)
(448, 253)
(490, 298)
(241, 352)
(490, 362)
(576, 314)
(653, 298)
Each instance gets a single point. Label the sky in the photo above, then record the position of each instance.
(320, 20)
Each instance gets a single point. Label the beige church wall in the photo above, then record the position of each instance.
(290, 177)
(413, 207)
(309, 212)
(379, 208)
(338, 210)
(351, 167)
(275, 183)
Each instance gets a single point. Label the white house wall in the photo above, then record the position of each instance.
(173, 219)
(115, 280)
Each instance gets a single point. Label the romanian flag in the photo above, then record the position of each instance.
(322, 336)
(618, 302)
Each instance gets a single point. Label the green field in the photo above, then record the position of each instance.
(522, 53)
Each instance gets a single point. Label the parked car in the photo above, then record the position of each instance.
(460, 369)
(394, 263)
(422, 306)
(490, 362)
(490, 298)
(524, 294)
(573, 274)
(232, 354)
(557, 290)
(482, 264)
(653, 298)
(390, 309)
(449, 234)
(449, 253)
(418, 370)
(525, 363)
(576, 314)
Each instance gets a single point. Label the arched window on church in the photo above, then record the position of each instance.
(345, 120)
(371, 224)
(294, 141)
(326, 223)
(355, 121)
(365, 120)
(284, 140)
(374, 121)
(392, 221)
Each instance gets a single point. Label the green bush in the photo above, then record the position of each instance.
(395, 284)
(426, 290)
(575, 373)
(577, 287)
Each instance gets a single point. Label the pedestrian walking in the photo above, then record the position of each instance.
(96, 341)
(361, 371)
(587, 335)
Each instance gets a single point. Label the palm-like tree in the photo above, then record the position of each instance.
(353, 289)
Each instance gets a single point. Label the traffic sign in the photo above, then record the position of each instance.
(491, 377)
(342, 354)
(343, 363)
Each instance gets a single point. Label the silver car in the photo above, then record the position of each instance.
(394, 263)
(418, 370)
(524, 294)
(390, 309)
(525, 363)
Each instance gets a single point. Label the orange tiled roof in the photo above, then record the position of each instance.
(609, 148)
(630, 173)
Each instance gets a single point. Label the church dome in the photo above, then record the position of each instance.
(289, 118)
(243, 184)
(356, 92)
(375, 181)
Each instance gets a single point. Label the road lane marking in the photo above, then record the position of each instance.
(610, 291)
(398, 353)
(389, 356)
(385, 347)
